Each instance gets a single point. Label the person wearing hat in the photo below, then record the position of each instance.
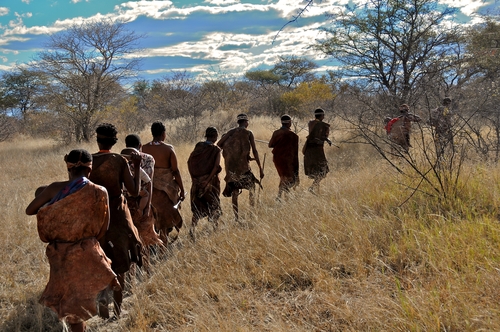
(315, 163)
(204, 168)
(440, 119)
(236, 146)
(121, 243)
(285, 145)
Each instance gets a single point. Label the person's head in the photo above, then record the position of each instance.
(158, 130)
(78, 162)
(446, 101)
(242, 120)
(404, 108)
(286, 120)
(319, 114)
(133, 141)
(211, 134)
(106, 135)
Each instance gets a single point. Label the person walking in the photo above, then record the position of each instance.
(285, 145)
(72, 216)
(204, 168)
(236, 146)
(315, 163)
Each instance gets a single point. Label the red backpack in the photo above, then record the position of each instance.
(389, 124)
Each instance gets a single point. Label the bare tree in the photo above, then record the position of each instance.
(388, 46)
(85, 63)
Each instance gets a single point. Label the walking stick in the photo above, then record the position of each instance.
(263, 164)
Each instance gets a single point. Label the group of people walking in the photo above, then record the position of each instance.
(101, 221)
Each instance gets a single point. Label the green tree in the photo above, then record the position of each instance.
(262, 78)
(23, 90)
(293, 70)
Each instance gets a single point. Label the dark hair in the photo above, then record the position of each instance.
(106, 134)
(318, 113)
(403, 108)
(241, 118)
(211, 132)
(132, 141)
(157, 128)
(78, 155)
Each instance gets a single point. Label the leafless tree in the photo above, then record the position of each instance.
(388, 46)
(85, 64)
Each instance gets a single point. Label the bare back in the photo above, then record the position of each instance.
(161, 152)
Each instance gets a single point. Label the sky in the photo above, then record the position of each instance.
(202, 37)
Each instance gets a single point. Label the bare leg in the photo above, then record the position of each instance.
(118, 294)
(251, 195)
(234, 199)
(215, 221)
(314, 188)
(78, 327)
(280, 190)
(194, 222)
(103, 309)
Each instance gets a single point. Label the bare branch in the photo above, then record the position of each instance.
(295, 17)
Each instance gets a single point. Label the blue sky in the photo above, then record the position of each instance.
(203, 37)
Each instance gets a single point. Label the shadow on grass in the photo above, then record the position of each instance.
(31, 316)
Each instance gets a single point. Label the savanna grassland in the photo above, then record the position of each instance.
(353, 258)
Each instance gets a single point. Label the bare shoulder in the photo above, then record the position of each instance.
(98, 187)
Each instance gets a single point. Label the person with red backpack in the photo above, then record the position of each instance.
(398, 129)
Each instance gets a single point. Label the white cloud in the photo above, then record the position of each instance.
(7, 40)
(4, 11)
(261, 53)
(26, 1)
(77, 1)
(20, 29)
(221, 2)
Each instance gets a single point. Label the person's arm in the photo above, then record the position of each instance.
(223, 139)
(255, 153)
(149, 188)
(272, 141)
(133, 184)
(44, 197)
(105, 225)
(176, 173)
(215, 170)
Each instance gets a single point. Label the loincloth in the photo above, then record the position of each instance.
(164, 181)
(238, 182)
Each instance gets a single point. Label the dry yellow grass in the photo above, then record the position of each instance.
(349, 259)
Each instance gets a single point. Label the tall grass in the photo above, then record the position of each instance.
(349, 259)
